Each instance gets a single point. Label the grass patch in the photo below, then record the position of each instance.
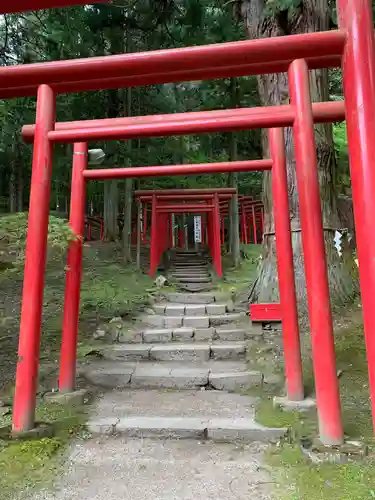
(109, 288)
(31, 464)
(298, 477)
(239, 278)
(301, 480)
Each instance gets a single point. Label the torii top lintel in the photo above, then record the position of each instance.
(9, 7)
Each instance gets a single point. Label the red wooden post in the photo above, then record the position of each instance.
(209, 236)
(67, 376)
(285, 267)
(145, 213)
(222, 230)
(154, 237)
(253, 216)
(216, 242)
(359, 90)
(326, 383)
(36, 247)
(171, 229)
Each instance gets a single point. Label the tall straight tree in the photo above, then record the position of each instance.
(263, 19)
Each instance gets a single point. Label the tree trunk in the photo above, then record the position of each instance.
(110, 210)
(127, 231)
(13, 181)
(20, 182)
(310, 16)
(234, 222)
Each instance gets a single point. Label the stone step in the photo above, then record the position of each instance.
(189, 263)
(185, 334)
(185, 298)
(182, 267)
(220, 375)
(188, 414)
(189, 272)
(195, 280)
(175, 309)
(217, 429)
(195, 287)
(165, 321)
(193, 351)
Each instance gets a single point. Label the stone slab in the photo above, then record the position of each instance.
(183, 352)
(126, 352)
(242, 429)
(156, 336)
(154, 320)
(222, 319)
(175, 310)
(196, 321)
(104, 425)
(305, 405)
(166, 428)
(183, 333)
(230, 334)
(173, 321)
(73, 398)
(195, 280)
(167, 378)
(204, 333)
(159, 308)
(166, 403)
(197, 298)
(235, 381)
(110, 378)
(195, 309)
(228, 351)
(216, 308)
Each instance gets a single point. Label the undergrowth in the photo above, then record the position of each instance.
(298, 477)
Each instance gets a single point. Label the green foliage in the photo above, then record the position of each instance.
(13, 232)
(116, 291)
(342, 155)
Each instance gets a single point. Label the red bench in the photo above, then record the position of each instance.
(265, 313)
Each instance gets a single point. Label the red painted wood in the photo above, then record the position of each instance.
(265, 312)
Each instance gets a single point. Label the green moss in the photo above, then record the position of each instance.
(301, 480)
(298, 477)
(240, 278)
(29, 464)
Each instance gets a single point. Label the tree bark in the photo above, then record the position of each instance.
(234, 222)
(13, 181)
(127, 231)
(110, 210)
(310, 16)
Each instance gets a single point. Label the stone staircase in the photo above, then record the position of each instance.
(182, 373)
(188, 269)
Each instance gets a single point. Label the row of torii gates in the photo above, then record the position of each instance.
(211, 205)
(352, 47)
(251, 214)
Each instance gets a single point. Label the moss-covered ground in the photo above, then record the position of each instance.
(296, 476)
(109, 288)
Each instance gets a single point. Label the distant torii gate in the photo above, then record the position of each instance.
(185, 201)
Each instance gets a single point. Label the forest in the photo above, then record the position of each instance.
(135, 26)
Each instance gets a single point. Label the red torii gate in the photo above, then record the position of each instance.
(8, 7)
(201, 201)
(353, 44)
